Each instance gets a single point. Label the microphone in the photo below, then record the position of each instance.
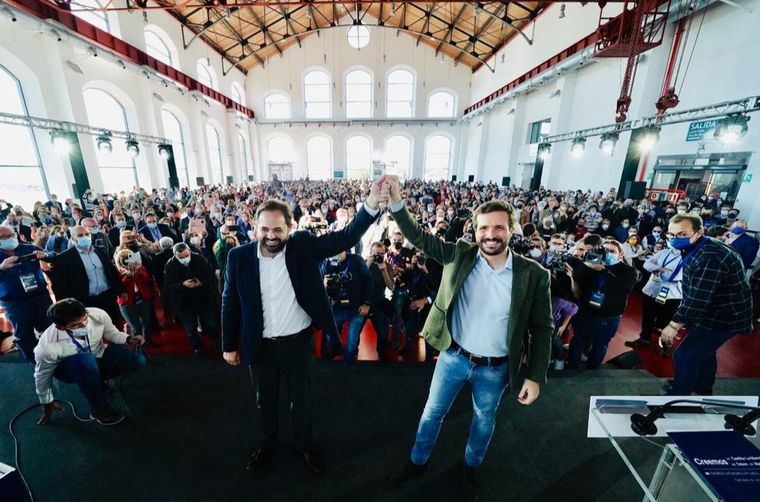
(644, 425)
(743, 424)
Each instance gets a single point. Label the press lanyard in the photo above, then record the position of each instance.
(686, 258)
(600, 281)
(80, 348)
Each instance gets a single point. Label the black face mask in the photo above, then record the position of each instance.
(397, 245)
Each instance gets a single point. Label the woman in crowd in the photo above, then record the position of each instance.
(136, 302)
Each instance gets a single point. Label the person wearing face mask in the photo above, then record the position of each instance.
(381, 309)
(716, 305)
(605, 229)
(152, 230)
(650, 240)
(86, 273)
(601, 291)
(190, 294)
(72, 350)
(633, 251)
(620, 232)
(743, 243)
(24, 296)
(120, 223)
(99, 238)
(14, 222)
(228, 240)
(136, 300)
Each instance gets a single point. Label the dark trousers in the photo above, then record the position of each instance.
(190, 319)
(89, 372)
(596, 331)
(655, 315)
(106, 301)
(292, 360)
(381, 322)
(695, 363)
(25, 316)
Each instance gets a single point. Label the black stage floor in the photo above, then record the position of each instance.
(191, 425)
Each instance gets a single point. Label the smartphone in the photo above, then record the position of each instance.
(26, 258)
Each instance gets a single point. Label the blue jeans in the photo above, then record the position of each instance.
(25, 316)
(694, 361)
(381, 322)
(190, 320)
(594, 331)
(89, 372)
(355, 325)
(488, 384)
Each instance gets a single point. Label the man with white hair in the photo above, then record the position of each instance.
(742, 243)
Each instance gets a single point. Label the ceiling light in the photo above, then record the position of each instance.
(578, 147)
(544, 150)
(731, 129)
(609, 140)
(104, 142)
(164, 151)
(133, 148)
(650, 136)
(60, 142)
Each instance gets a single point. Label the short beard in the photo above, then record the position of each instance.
(276, 248)
(482, 246)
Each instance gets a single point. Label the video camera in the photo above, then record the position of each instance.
(520, 244)
(336, 285)
(595, 255)
(559, 261)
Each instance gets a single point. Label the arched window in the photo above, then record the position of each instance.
(319, 158)
(237, 93)
(442, 104)
(358, 36)
(437, 157)
(398, 155)
(317, 95)
(277, 106)
(400, 94)
(20, 167)
(157, 46)
(173, 131)
(358, 94)
(206, 74)
(358, 157)
(117, 168)
(245, 162)
(214, 141)
(280, 150)
(97, 18)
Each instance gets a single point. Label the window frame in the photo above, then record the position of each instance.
(305, 89)
(453, 104)
(370, 85)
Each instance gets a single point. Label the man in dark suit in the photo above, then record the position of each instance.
(153, 231)
(273, 295)
(86, 273)
(119, 223)
(490, 317)
(743, 244)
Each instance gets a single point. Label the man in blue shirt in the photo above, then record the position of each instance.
(24, 295)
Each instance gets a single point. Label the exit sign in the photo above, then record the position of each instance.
(697, 130)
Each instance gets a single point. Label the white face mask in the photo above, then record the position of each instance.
(80, 332)
(534, 253)
(184, 261)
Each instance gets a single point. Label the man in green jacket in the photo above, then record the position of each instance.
(491, 316)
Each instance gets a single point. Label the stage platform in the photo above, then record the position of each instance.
(191, 424)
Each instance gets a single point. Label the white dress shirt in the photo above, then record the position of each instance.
(283, 315)
(55, 345)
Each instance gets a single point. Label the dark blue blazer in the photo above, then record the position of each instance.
(747, 247)
(242, 312)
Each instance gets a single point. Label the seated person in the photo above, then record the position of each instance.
(72, 350)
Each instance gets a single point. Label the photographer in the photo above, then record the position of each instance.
(72, 351)
(381, 309)
(349, 288)
(418, 282)
(24, 296)
(601, 285)
(399, 258)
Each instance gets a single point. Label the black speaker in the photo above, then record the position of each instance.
(453, 177)
(230, 180)
(471, 178)
(634, 190)
(199, 181)
(11, 487)
(505, 181)
(626, 361)
(250, 177)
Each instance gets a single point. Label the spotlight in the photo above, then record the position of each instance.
(650, 136)
(609, 140)
(544, 150)
(60, 142)
(133, 148)
(578, 147)
(164, 152)
(731, 129)
(104, 142)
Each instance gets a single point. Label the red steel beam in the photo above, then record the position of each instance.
(44, 10)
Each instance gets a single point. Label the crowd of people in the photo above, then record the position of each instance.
(128, 254)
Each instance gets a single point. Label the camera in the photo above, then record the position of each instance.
(463, 214)
(520, 244)
(595, 255)
(337, 287)
(378, 258)
(421, 258)
(559, 261)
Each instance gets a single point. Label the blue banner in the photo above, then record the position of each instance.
(697, 130)
(726, 460)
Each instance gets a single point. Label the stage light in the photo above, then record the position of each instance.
(544, 150)
(163, 152)
(650, 136)
(133, 148)
(578, 147)
(731, 129)
(104, 142)
(60, 142)
(609, 140)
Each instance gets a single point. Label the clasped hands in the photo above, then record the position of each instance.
(384, 189)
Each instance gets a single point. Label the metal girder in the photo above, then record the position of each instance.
(450, 29)
(501, 19)
(444, 22)
(60, 125)
(476, 37)
(207, 26)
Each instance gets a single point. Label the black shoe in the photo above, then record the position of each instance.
(407, 472)
(312, 461)
(258, 458)
(639, 342)
(470, 483)
(106, 415)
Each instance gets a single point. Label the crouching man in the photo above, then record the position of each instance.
(72, 350)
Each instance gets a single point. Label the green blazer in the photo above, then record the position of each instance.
(530, 314)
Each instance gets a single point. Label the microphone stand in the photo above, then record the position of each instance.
(645, 425)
